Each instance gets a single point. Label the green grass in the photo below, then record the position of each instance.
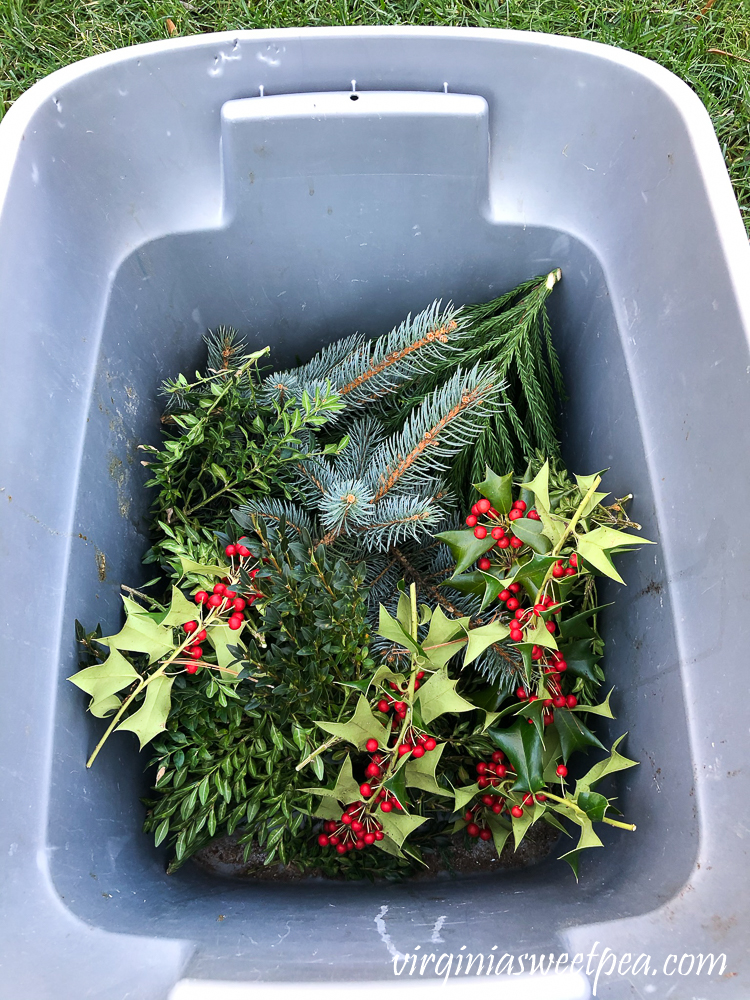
(39, 37)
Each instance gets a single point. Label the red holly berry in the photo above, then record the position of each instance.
(365, 790)
(323, 840)
(404, 749)
(481, 767)
(418, 751)
(558, 571)
(480, 531)
(528, 799)
(516, 811)
(214, 600)
(521, 693)
(516, 543)
(497, 532)
(561, 665)
(562, 770)
(200, 636)
(533, 515)
(430, 743)
(541, 797)
(372, 771)
(497, 808)
(473, 830)
(371, 746)
(483, 505)
(573, 560)
(400, 707)
(514, 515)
(191, 668)
(346, 819)
(533, 697)
(471, 520)
(243, 550)
(514, 588)
(201, 597)
(468, 816)
(488, 799)
(571, 701)
(485, 834)
(550, 626)
(503, 543)
(570, 571)
(420, 675)
(379, 833)
(474, 509)
(520, 505)
(548, 718)
(369, 838)
(482, 781)
(341, 849)
(195, 651)
(230, 550)
(516, 635)
(220, 588)
(235, 623)
(190, 627)
(501, 770)
(512, 603)
(559, 701)
(383, 705)
(484, 564)
(239, 604)
(504, 595)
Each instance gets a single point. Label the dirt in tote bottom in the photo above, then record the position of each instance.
(370, 648)
(225, 857)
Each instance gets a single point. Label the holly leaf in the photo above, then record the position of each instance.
(468, 583)
(397, 784)
(497, 489)
(602, 709)
(521, 824)
(327, 808)
(362, 726)
(587, 839)
(387, 845)
(539, 486)
(465, 547)
(595, 547)
(346, 789)
(420, 773)
(482, 638)
(202, 569)
(390, 628)
(522, 745)
(501, 830)
(398, 826)
(437, 645)
(438, 696)
(532, 534)
(539, 636)
(573, 734)
(593, 804)
(577, 627)
(103, 681)
(181, 610)
(384, 673)
(463, 796)
(584, 485)
(581, 659)
(493, 584)
(140, 634)
(615, 762)
(151, 717)
(532, 572)
(220, 636)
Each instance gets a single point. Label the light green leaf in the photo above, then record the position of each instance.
(346, 789)
(595, 547)
(539, 635)
(390, 628)
(398, 825)
(389, 846)
(420, 773)
(602, 709)
(501, 830)
(180, 609)
(539, 486)
(438, 645)
(151, 717)
(220, 637)
(141, 634)
(362, 726)
(482, 638)
(463, 796)
(384, 673)
(584, 485)
(438, 696)
(615, 762)
(497, 489)
(466, 548)
(521, 824)
(328, 808)
(103, 681)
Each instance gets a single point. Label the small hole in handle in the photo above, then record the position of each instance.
(354, 97)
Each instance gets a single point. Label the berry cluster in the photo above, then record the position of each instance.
(355, 830)
(560, 569)
(497, 527)
(221, 601)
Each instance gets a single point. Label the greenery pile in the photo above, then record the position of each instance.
(342, 625)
